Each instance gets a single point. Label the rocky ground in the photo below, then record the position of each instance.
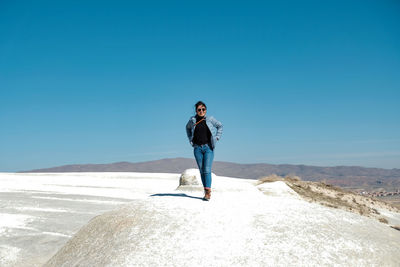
(339, 198)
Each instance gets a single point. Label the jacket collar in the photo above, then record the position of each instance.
(194, 118)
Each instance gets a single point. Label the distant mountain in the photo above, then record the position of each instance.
(345, 176)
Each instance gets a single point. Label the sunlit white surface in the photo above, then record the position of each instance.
(243, 224)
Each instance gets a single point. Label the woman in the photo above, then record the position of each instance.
(203, 133)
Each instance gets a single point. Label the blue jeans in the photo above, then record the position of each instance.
(204, 157)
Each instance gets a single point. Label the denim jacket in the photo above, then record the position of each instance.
(214, 126)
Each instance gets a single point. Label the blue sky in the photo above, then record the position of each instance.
(297, 82)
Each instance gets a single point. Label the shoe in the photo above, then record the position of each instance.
(207, 194)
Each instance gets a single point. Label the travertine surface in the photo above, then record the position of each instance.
(121, 219)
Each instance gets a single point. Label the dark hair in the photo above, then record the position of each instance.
(200, 103)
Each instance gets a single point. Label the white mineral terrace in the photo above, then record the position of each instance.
(243, 224)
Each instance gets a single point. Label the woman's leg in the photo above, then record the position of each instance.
(207, 164)
(198, 154)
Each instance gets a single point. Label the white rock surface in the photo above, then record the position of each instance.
(190, 177)
(277, 188)
(152, 224)
(190, 180)
(40, 212)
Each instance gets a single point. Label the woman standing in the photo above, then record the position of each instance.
(203, 133)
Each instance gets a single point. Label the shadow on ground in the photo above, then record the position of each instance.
(174, 195)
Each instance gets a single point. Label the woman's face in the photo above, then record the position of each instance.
(201, 110)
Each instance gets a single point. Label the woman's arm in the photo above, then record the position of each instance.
(217, 124)
(189, 130)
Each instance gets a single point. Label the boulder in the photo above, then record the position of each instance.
(190, 177)
(190, 180)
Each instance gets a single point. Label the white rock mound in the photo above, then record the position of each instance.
(190, 180)
(190, 177)
(278, 188)
(236, 228)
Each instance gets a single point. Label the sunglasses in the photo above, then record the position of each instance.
(201, 109)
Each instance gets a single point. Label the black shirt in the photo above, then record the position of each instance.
(202, 134)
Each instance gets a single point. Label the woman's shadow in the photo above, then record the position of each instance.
(174, 195)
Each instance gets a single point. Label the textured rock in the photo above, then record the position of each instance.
(190, 177)
(249, 228)
(243, 225)
(190, 180)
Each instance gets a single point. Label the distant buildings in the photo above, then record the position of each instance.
(381, 193)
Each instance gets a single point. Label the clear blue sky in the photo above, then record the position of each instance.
(298, 82)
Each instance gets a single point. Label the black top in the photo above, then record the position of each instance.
(202, 134)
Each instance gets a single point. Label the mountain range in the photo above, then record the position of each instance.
(344, 176)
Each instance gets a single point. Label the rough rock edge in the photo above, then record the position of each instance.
(112, 226)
